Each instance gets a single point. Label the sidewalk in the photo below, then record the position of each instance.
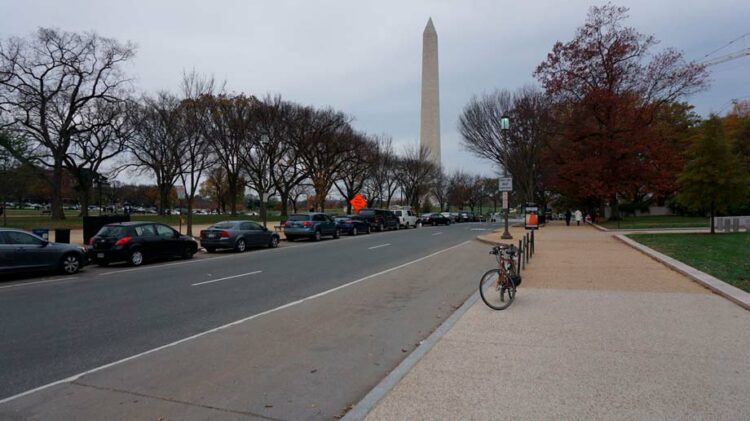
(598, 331)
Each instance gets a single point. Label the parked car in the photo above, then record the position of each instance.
(237, 235)
(310, 225)
(406, 218)
(466, 217)
(352, 224)
(380, 219)
(22, 251)
(435, 219)
(138, 242)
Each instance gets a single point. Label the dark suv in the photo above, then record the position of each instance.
(380, 219)
(137, 242)
(310, 225)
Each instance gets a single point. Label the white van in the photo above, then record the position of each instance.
(406, 218)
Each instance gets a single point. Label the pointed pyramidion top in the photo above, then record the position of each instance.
(430, 28)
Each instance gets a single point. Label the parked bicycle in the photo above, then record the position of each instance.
(498, 286)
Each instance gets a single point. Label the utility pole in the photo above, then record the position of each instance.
(504, 126)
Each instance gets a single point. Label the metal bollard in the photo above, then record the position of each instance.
(526, 248)
(532, 243)
(520, 255)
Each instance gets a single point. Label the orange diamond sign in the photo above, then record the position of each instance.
(358, 202)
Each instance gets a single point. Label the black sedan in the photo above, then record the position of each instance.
(137, 242)
(22, 251)
(237, 235)
(434, 219)
(352, 224)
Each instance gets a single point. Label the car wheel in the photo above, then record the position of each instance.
(398, 226)
(136, 258)
(354, 231)
(210, 249)
(274, 242)
(317, 236)
(188, 253)
(381, 228)
(336, 234)
(240, 246)
(70, 264)
(368, 230)
(433, 223)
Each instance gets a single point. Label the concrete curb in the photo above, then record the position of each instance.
(364, 406)
(600, 228)
(716, 285)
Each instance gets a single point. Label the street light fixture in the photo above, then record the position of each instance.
(504, 127)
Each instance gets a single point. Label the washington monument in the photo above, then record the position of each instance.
(429, 132)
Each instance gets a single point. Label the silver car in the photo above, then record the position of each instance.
(237, 235)
(22, 251)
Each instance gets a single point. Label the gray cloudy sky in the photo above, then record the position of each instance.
(364, 57)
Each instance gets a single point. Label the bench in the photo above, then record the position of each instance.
(280, 227)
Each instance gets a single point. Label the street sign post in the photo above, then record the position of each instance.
(505, 184)
(505, 200)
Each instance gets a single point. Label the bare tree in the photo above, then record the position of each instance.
(459, 189)
(197, 155)
(357, 169)
(265, 145)
(156, 144)
(226, 127)
(299, 190)
(416, 175)
(46, 83)
(107, 137)
(520, 150)
(323, 140)
(382, 184)
(440, 188)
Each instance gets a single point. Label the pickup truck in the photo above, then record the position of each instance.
(406, 218)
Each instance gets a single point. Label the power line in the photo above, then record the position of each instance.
(727, 44)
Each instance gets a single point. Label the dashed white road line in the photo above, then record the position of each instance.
(377, 247)
(437, 233)
(228, 277)
(228, 325)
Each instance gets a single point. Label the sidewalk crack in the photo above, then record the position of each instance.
(144, 395)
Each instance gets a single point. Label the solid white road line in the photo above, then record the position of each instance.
(228, 325)
(38, 282)
(228, 277)
(437, 233)
(377, 247)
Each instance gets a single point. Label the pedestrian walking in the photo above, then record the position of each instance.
(578, 216)
(568, 215)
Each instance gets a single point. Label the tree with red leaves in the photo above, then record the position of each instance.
(609, 92)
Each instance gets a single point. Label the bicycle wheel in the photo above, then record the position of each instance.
(497, 290)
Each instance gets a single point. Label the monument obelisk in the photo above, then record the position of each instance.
(429, 132)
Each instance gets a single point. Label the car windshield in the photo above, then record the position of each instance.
(367, 212)
(113, 231)
(222, 226)
(299, 217)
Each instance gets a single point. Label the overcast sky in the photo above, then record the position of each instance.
(364, 57)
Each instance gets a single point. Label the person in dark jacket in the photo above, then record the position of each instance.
(568, 215)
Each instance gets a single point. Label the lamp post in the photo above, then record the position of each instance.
(504, 126)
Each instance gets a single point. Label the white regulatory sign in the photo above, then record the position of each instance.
(180, 192)
(505, 184)
(505, 200)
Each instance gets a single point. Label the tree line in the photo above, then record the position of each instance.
(70, 115)
(610, 127)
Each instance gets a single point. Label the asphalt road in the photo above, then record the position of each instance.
(54, 328)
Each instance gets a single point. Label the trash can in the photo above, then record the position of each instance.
(62, 235)
(42, 232)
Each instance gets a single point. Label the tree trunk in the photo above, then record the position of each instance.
(83, 200)
(190, 216)
(713, 230)
(233, 192)
(284, 205)
(164, 191)
(56, 199)
(263, 211)
(615, 207)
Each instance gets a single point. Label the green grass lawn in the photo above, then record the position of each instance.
(725, 256)
(668, 221)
